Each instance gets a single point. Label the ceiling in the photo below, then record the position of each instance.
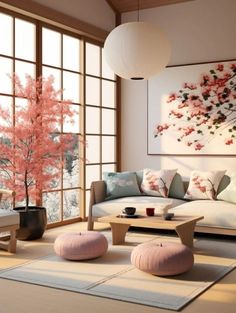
(121, 6)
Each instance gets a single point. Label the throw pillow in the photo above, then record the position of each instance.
(229, 193)
(121, 185)
(177, 189)
(203, 185)
(157, 183)
(225, 181)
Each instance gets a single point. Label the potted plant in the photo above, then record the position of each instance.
(32, 147)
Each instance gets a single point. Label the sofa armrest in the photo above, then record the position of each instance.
(97, 195)
(98, 191)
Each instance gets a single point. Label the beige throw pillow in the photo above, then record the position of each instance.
(157, 183)
(203, 185)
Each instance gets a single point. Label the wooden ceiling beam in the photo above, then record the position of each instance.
(123, 6)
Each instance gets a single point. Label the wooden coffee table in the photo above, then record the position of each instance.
(183, 225)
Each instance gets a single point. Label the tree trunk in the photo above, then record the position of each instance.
(26, 194)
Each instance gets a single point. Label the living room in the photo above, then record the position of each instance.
(199, 32)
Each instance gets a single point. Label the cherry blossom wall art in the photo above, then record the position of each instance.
(192, 110)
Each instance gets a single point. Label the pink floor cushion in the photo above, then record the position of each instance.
(162, 259)
(81, 245)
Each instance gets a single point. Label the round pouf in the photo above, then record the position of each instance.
(162, 259)
(81, 245)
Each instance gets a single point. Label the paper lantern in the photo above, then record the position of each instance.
(137, 50)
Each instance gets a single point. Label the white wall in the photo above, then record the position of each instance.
(95, 12)
(199, 31)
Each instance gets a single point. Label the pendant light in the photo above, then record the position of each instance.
(137, 50)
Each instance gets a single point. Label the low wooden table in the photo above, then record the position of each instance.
(183, 225)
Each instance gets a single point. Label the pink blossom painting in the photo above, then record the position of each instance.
(192, 110)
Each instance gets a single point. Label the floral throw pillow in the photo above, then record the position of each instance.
(204, 185)
(157, 183)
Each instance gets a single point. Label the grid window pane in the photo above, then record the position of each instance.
(70, 204)
(6, 36)
(51, 47)
(92, 91)
(92, 174)
(55, 183)
(20, 104)
(92, 120)
(48, 71)
(71, 165)
(108, 94)
(106, 70)
(71, 87)
(108, 121)
(6, 68)
(72, 125)
(71, 172)
(92, 59)
(25, 40)
(93, 149)
(108, 149)
(108, 168)
(71, 53)
(6, 105)
(52, 201)
(23, 69)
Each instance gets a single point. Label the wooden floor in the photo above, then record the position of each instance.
(26, 298)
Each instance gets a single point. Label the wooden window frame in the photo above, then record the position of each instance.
(39, 24)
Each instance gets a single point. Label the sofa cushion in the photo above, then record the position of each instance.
(203, 185)
(140, 203)
(9, 217)
(121, 184)
(216, 213)
(229, 194)
(157, 183)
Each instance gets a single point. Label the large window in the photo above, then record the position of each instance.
(61, 58)
(100, 116)
(79, 69)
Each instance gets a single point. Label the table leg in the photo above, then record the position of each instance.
(12, 242)
(118, 233)
(186, 233)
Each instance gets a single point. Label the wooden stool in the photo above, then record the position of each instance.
(9, 245)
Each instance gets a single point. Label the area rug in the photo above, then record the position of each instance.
(113, 276)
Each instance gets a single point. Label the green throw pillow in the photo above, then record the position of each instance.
(229, 193)
(177, 189)
(225, 181)
(121, 185)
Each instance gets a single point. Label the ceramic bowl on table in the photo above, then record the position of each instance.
(129, 210)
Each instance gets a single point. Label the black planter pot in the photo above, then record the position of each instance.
(32, 223)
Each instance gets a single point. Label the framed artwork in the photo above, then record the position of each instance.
(192, 110)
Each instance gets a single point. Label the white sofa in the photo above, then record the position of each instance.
(219, 216)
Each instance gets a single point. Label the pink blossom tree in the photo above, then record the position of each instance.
(205, 109)
(32, 145)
